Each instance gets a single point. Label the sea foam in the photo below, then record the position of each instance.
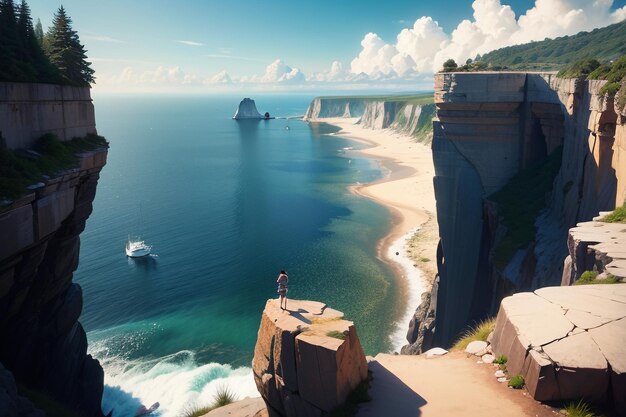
(415, 287)
(176, 381)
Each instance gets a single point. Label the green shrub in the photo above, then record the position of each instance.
(517, 382)
(618, 216)
(610, 89)
(591, 277)
(479, 332)
(336, 334)
(501, 360)
(579, 409)
(223, 396)
(580, 68)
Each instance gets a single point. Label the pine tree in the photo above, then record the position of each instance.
(39, 32)
(36, 65)
(66, 52)
(9, 47)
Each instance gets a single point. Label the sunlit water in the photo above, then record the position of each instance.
(225, 205)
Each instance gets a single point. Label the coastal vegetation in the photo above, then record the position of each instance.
(529, 186)
(478, 332)
(223, 396)
(517, 382)
(29, 55)
(579, 409)
(591, 277)
(617, 216)
(501, 360)
(336, 334)
(22, 168)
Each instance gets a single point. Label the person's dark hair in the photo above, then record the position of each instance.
(282, 271)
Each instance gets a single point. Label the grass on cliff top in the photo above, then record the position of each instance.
(591, 277)
(519, 203)
(618, 216)
(419, 98)
(19, 169)
(223, 396)
(478, 332)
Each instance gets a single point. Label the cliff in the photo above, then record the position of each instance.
(43, 345)
(307, 359)
(408, 115)
(27, 111)
(520, 158)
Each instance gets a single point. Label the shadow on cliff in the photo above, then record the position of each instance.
(390, 396)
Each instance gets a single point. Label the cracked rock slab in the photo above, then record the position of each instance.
(567, 342)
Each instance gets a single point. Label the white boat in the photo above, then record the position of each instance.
(137, 248)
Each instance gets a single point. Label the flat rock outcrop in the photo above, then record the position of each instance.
(306, 359)
(595, 246)
(567, 342)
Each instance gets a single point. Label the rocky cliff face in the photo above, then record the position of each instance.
(307, 360)
(27, 111)
(401, 116)
(497, 137)
(43, 344)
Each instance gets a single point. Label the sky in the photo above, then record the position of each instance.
(216, 46)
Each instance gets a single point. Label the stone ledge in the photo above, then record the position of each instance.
(567, 342)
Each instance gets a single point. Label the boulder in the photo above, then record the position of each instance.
(476, 346)
(567, 342)
(307, 359)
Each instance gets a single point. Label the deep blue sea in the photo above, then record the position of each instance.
(225, 205)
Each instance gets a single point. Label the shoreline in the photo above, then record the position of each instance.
(406, 190)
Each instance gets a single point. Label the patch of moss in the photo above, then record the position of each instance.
(591, 277)
(337, 334)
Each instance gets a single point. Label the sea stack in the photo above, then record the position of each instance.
(247, 110)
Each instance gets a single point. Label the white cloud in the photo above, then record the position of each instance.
(101, 38)
(424, 47)
(279, 72)
(221, 77)
(190, 43)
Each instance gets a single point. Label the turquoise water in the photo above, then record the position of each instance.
(225, 204)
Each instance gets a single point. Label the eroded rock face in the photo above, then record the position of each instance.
(595, 246)
(567, 342)
(41, 341)
(301, 365)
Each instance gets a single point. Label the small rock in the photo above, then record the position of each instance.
(488, 358)
(499, 374)
(434, 352)
(503, 379)
(481, 352)
(475, 347)
(490, 338)
(489, 350)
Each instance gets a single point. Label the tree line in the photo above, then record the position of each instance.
(29, 55)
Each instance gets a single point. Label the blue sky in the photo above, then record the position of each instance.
(137, 44)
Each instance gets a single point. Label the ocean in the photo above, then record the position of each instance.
(225, 205)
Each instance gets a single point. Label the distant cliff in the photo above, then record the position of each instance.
(519, 158)
(42, 343)
(409, 115)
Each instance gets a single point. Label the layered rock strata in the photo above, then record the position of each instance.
(595, 246)
(27, 111)
(489, 127)
(306, 359)
(567, 342)
(43, 344)
(400, 116)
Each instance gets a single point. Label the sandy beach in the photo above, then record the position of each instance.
(407, 191)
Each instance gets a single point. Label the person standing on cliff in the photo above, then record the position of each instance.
(282, 281)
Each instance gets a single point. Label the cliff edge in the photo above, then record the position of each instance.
(307, 360)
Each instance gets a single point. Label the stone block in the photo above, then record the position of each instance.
(52, 210)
